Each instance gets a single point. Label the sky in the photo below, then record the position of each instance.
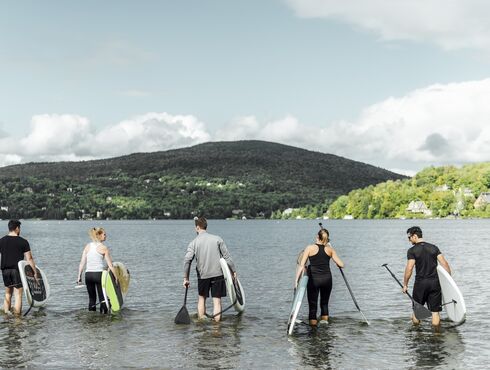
(394, 83)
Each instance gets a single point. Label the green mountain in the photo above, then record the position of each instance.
(434, 192)
(218, 179)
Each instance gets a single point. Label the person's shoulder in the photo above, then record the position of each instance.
(21, 240)
(212, 236)
(412, 248)
(310, 247)
(433, 246)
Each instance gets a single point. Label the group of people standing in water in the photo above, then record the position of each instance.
(207, 249)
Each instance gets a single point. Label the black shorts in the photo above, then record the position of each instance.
(215, 284)
(428, 291)
(11, 278)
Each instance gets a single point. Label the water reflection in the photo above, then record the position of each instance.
(218, 344)
(16, 345)
(314, 347)
(429, 348)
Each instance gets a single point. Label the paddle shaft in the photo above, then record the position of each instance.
(399, 283)
(348, 287)
(352, 294)
(185, 295)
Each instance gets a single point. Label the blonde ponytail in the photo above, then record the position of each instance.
(323, 236)
(95, 232)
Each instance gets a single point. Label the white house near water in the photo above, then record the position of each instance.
(418, 206)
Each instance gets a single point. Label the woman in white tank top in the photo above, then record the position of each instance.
(95, 258)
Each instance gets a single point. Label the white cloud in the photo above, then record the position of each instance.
(66, 137)
(456, 24)
(435, 125)
(151, 132)
(54, 134)
(439, 124)
(287, 130)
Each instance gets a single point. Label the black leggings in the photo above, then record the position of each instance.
(322, 286)
(93, 281)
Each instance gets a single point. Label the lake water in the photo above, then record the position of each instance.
(64, 334)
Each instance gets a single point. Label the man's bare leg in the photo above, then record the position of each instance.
(217, 308)
(8, 299)
(201, 307)
(18, 301)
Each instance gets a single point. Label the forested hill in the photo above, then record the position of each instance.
(254, 177)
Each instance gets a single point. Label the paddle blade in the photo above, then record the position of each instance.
(420, 311)
(183, 316)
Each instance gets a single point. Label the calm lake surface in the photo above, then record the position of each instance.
(65, 335)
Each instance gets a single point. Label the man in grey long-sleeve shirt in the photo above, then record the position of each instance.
(207, 249)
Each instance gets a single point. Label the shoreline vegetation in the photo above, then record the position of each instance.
(239, 180)
(434, 192)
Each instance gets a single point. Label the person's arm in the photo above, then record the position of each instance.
(30, 261)
(444, 263)
(81, 266)
(335, 257)
(108, 260)
(408, 274)
(301, 265)
(189, 256)
(226, 255)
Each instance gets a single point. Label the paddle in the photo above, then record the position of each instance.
(352, 295)
(419, 311)
(183, 315)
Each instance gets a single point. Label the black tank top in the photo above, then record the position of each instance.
(319, 263)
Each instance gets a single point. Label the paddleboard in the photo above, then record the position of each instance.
(297, 301)
(37, 293)
(234, 288)
(114, 293)
(452, 299)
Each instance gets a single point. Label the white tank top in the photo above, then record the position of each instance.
(95, 260)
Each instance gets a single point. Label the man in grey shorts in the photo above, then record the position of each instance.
(207, 249)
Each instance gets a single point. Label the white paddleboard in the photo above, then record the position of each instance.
(37, 293)
(298, 300)
(452, 299)
(234, 288)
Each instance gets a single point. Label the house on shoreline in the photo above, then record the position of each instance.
(482, 201)
(418, 206)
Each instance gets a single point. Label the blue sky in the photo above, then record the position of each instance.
(395, 85)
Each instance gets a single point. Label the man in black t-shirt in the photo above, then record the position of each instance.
(13, 249)
(424, 256)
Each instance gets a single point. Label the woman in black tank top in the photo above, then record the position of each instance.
(320, 277)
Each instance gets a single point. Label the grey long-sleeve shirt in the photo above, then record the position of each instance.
(206, 248)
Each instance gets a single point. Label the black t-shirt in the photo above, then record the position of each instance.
(12, 249)
(425, 256)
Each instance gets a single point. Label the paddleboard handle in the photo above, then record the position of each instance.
(452, 301)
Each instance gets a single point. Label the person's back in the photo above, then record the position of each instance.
(425, 256)
(208, 253)
(95, 260)
(319, 263)
(12, 249)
